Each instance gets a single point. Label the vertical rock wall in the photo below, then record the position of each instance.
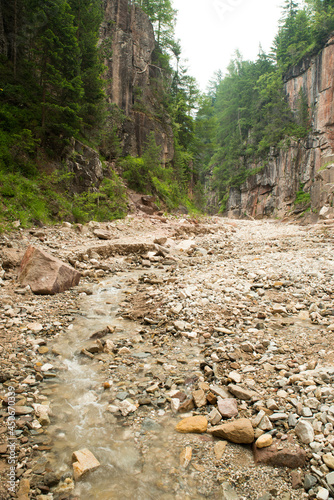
(309, 162)
(128, 42)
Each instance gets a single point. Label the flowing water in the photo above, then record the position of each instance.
(81, 420)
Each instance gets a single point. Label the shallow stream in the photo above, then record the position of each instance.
(81, 419)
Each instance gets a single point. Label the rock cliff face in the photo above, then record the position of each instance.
(128, 43)
(310, 162)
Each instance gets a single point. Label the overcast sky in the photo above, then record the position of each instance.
(211, 30)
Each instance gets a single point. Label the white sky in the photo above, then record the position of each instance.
(211, 30)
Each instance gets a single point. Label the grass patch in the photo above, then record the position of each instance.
(302, 197)
(48, 200)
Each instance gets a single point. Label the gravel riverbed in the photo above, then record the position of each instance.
(194, 339)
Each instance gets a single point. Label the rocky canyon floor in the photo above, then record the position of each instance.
(194, 360)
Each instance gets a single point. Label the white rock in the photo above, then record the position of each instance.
(304, 431)
(177, 308)
(35, 327)
(235, 376)
(175, 405)
(278, 309)
(278, 416)
(126, 407)
(330, 478)
(323, 494)
(42, 412)
(324, 211)
(113, 409)
(265, 424)
(46, 367)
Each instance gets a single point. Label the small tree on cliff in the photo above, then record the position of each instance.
(162, 16)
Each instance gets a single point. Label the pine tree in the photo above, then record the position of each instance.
(57, 55)
(294, 38)
(88, 16)
(162, 15)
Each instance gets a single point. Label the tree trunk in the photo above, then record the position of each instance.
(3, 38)
(15, 40)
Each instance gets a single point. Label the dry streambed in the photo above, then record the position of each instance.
(170, 360)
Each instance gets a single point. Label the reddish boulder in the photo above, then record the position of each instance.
(280, 454)
(45, 274)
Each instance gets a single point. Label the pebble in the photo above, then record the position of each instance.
(241, 392)
(309, 481)
(304, 431)
(219, 449)
(199, 398)
(185, 457)
(264, 441)
(329, 460)
(323, 494)
(228, 408)
(330, 478)
(228, 492)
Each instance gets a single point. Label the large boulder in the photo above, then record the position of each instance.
(45, 274)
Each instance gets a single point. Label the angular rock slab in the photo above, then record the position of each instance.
(83, 462)
(102, 234)
(228, 408)
(45, 274)
(239, 431)
(291, 455)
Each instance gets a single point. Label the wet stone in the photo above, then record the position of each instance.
(84, 462)
(122, 395)
(141, 355)
(219, 449)
(150, 425)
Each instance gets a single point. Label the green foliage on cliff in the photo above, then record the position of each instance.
(50, 79)
(303, 31)
(245, 114)
(162, 16)
(147, 175)
(302, 197)
(51, 89)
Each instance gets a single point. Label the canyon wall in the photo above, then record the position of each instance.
(133, 80)
(308, 163)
